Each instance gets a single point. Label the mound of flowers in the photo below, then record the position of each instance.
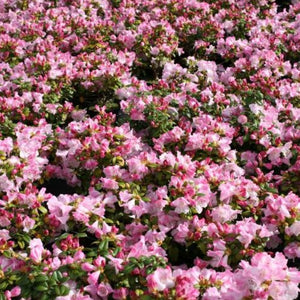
(149, 149)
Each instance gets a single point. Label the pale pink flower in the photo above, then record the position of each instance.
(28, 224)
(224, 213)
(294, 229)
(36, 250)
(228, 189)
(181, 205)
(161, 279)
(110, 184)
(136, 166)
(218, 254)
(212, 293)
(4, 234)
(60, 209)
(181, 232)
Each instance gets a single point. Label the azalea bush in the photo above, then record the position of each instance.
(149, 149)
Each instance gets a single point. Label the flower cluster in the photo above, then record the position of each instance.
(149, 149)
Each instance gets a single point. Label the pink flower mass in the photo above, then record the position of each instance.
(149, 149)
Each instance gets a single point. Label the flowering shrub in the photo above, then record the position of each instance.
(149, 149)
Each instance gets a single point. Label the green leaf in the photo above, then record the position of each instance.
(128, 269)
(59, 276)
(26, 238)
(147, 297)
(21, 244)
(146, 199)
(41, 288)
(149, 270)
(109, 221)
(57, 290)
(63, 236)
(103, 246)
(41, 278)
(3, 285)
(81, 235)
(202, 247)
(43, 210)
(64, 291)
(44, 297)
(54, 275)
(140, 265)
(52, 282)
(7, 254)
(116, 251)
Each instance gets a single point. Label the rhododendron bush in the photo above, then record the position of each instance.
(149, 149)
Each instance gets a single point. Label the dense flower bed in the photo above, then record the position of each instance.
(149, 149)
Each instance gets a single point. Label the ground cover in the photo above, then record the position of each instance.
(149, 149)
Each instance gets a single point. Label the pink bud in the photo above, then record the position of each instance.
(16, 291)
(87, 267)
(242, 119)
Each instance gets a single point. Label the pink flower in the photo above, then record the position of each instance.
(100, 261)
(185, 286)
(171, 69)
(294, 229)
(120, 294)
(28, 224)
(136, 166)
(181, 232)
(161, 279)
(112, 171)
(36, 250)
(218, 254)
(91, 164)
(93, 278)
(181, 205)
(4, 234)
(139, 249)
(247, 230)
(195, 142)
(212, 293)
(104, 289)
(270, 276)
(116, 263)
(210, 68)
(224, 213)
(6, 145)
(292, 250)
(110, 184)
(227, 189)
(60, 209)
(6, 184)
